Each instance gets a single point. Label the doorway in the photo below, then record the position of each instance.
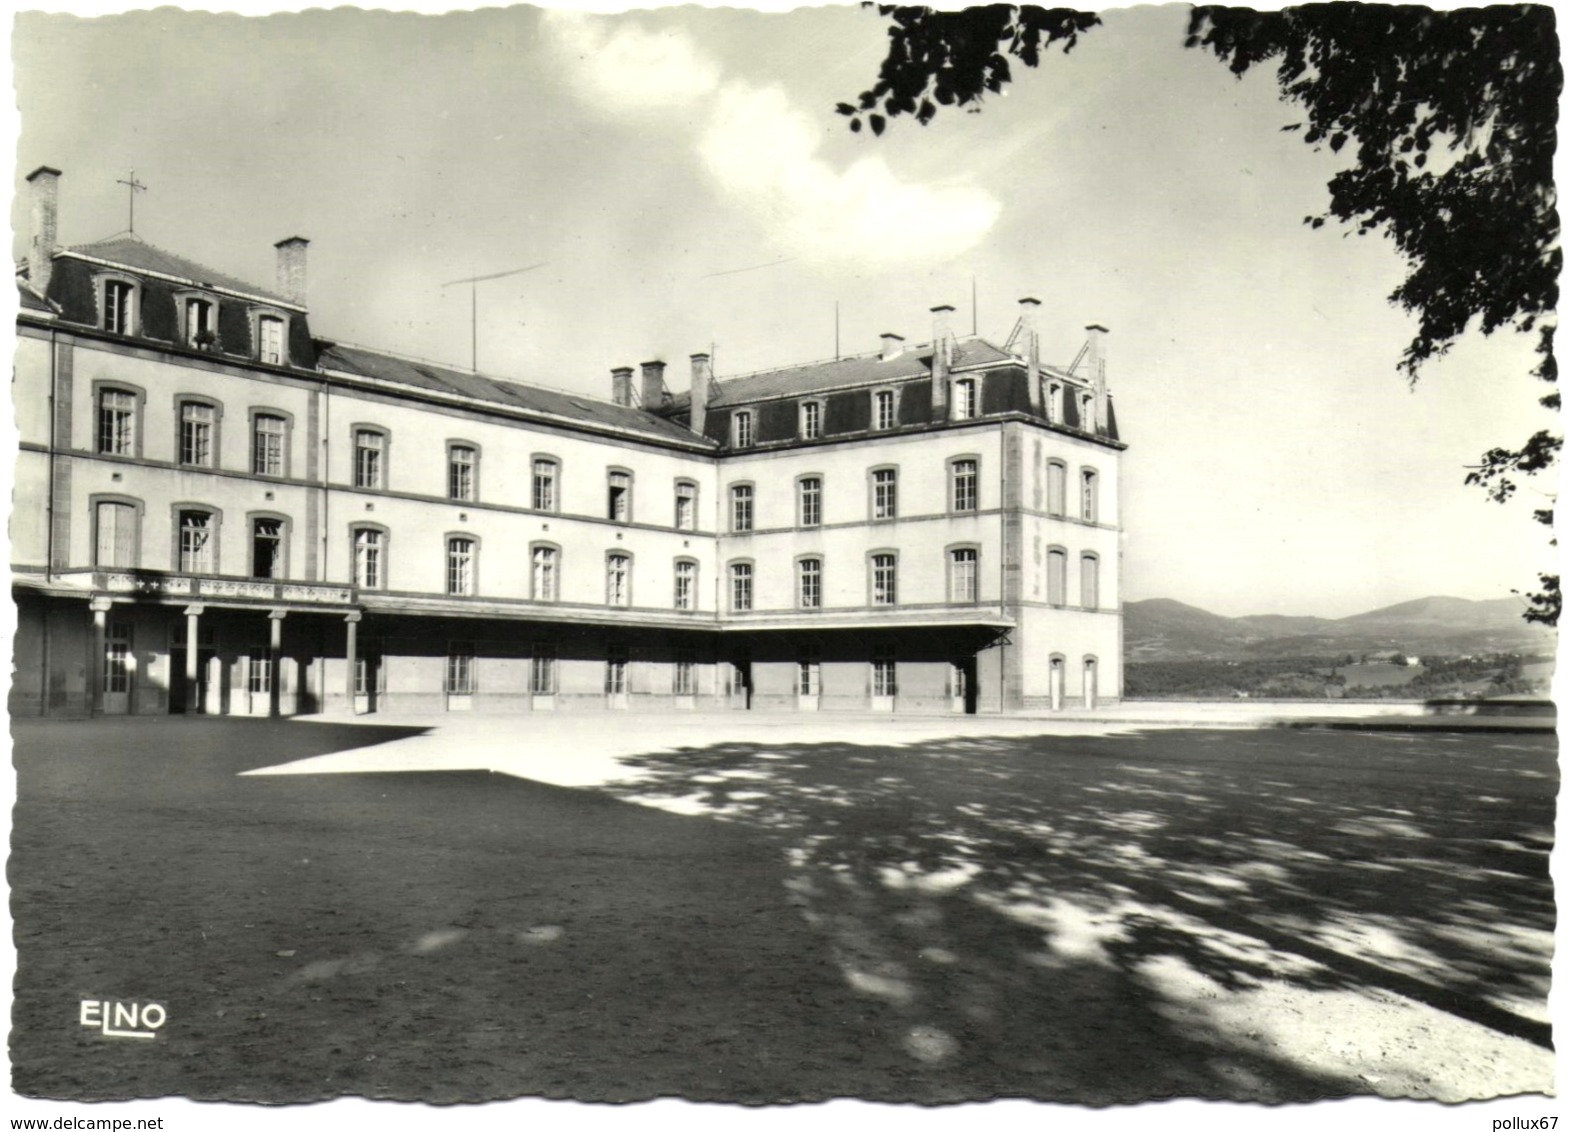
(964, 694)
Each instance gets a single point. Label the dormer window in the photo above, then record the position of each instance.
(743, 429)
(964, 399)
(884, 410)
(1054, 402)
(269, 339)
(119, 301)
(200, 320)
(811, 420)
(1087, 412)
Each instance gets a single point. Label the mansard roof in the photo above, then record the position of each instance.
(848, 373)
(135, 254)
(361, 362)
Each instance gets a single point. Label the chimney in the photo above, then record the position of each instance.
(621, 385)
(702, 380)
(1031, 340)
(1096, 359)
(291, 268)
(893, 346)
(942, 359)
(46, 204)
(653, 385)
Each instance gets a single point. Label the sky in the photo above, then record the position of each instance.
(682, 178)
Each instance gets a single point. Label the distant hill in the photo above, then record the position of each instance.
(1164, 629)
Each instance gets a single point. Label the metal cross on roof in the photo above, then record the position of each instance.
(133, 186)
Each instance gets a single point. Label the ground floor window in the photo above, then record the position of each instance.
(616, 671)
(809, 674)
(542, 671)
(117, 657)
(260, 679)
(884, 674)
(460, 669)
(686, 673)
(367, 674)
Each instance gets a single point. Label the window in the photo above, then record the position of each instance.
(118, 536)
(369, 545)
(544, 484)
(885, 493)
(686, 584)
(1057, 576)
(462, 472)
(1087, 412)
(269, 339)
(964, 399)
(884, 409)
(1089, 581)
(1087, 494)
(267, 548)
(809, 673)
(370, 454)
(743, 429)
(618, 579)
(198, 422)
(740, 587)
(197, 552)
(619, 504)
(117, 422)
(615, 671)
(119, 297)
(964, 475)
(1056, 488)
(741, 507)
(963, 575)
(460, 668)
(686, 506)
(811, 420)
(369, 675)
(809, 501)
(542, 670)
(1054, 402)
(685, 683)
(885, 674)
(544, 587)
(885, 579)
(809, 583)
(267, 444)
(259, 682)
(117, 657)
(460, 566)
(201, 325)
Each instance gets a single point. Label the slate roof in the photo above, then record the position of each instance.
(136, 254)
(863, 369)
(31, 300)
(361, 362)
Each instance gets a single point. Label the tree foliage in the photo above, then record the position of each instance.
(1452, 117)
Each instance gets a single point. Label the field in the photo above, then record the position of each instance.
(760, 912)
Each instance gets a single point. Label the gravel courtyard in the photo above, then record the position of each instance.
(763, 910)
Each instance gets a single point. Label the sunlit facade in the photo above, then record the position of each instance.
(219, 512)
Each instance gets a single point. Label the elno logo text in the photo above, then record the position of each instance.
(116, 1019)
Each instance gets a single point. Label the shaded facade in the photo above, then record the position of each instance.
(219, 511)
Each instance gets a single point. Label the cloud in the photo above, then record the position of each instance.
(630, 69)
(763, 153)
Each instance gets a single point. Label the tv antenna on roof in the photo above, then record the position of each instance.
(473, 282)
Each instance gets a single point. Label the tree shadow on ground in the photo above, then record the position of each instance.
(971, 880)
(1044, 917)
